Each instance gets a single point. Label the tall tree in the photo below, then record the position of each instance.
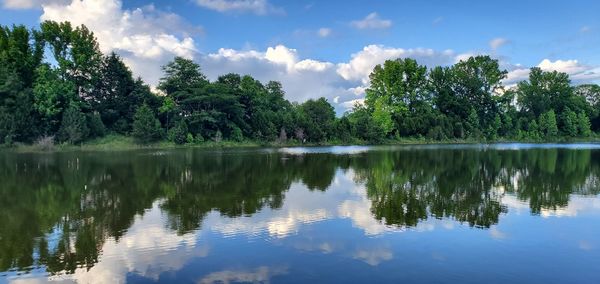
(398, 93)
(476, 81)
(77, 53)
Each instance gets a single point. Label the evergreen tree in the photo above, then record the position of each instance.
(569, 122)
(178, 133)
(73, 128)
(146, 128)
(583, 125)
(548, 125)
(96, 126)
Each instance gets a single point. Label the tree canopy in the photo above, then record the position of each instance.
(55, 82)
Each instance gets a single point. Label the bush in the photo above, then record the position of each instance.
(45, 143)
(436, 133)
(7, 127)
(178, 133)
(73, 128)
(146, 128)
(189, 138)
(121, 126)
(96, 126)
(236, 134)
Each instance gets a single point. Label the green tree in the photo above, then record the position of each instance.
(77, 53)
(318, 118)
(167, 108)
(569, 122)
(146, 127)
(73, 128)
(112, 97)
(178, 134)
(52, 96)
(583, 125)
(473, 124)
(397, 94)
(476, 81)
(548, 125)
(95, 125)
(181, 75)
(364, 126)
(544, 91)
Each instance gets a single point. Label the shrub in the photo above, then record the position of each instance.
(45, 143)
(146, 128)
(178, 133)
(73, 128)
(218, 136)
(96, 126)
(236, 134)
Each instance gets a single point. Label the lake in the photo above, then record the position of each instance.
(501, 213)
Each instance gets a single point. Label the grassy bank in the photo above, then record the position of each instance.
(123, 143)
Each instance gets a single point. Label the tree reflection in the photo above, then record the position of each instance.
(57, 210)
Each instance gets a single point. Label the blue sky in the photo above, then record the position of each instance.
(327, 48)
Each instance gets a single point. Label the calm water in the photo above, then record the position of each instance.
(508, 213)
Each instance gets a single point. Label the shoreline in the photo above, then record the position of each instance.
(114, 143)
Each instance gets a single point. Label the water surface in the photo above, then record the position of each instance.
(503, 213)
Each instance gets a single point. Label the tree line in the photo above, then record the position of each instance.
(55, 83)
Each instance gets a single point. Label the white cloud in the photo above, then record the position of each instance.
(372, 21)
(19, 4)
(302, 79)
(324, 32)
(497, 43)
(519, 73)
(375, 256)
(145, 37)
(579, 73)
(140, 251)
(259, 7)
(363, 62)
(262, 274)
(352, 103)
(29, 4)
(565, 66)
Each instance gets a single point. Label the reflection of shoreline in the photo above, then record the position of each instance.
(96, 198)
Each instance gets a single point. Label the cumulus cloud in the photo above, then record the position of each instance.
(302, 79)
(578, 72)
(343, 84)
(497, 43)
(363, 62)
(372, 21)
(259, 7)
(517, 74)
(324, 32)
(145, 37)
(141, 252)
(148, 38)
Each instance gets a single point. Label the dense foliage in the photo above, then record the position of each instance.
(55, 82)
